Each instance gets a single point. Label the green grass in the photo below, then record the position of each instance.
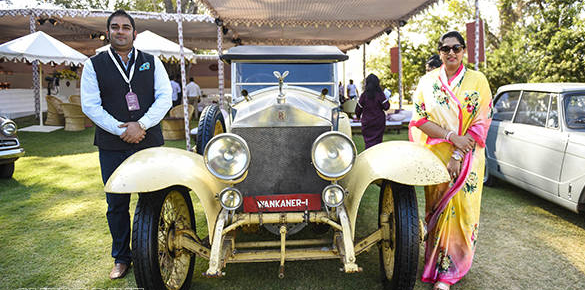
(53, 233)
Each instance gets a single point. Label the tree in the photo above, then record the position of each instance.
(168, 6)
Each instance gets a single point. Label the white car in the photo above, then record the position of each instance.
(537, 141)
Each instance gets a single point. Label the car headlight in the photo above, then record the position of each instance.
(333, 195)
(227, 156)
(9, 129)
(230, 198)
(333, 154)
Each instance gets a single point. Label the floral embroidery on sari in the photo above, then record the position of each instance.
(471, 183)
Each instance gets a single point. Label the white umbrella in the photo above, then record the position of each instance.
(44, 48)
(158, 46)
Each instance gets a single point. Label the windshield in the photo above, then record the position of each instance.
(255, 76)
(575, 110)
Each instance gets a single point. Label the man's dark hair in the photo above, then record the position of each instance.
(450, 34)
(121, 12)
(190, 79)
(351, 81)
(434, 61)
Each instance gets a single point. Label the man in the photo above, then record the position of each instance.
(126, 93)
(176, 90)
(341, 93)
(433, 62)
(193, 92)
(352, 91)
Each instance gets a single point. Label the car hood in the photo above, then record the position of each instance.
(302, 107)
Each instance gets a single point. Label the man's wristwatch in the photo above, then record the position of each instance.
(142, 126)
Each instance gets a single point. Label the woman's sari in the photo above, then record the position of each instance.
(463, 105)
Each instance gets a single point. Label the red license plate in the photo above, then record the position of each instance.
(282, 202)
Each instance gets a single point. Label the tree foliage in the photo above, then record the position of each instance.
(538, 41)
(168, 6)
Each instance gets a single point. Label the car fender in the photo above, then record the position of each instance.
(156, 168)
(343, 125)
(399, 161)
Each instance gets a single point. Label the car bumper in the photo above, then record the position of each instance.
(7, 156)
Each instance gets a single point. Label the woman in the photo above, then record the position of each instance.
(370, 108)
(451, 117)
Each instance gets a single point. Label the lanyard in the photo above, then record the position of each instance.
(126, 79)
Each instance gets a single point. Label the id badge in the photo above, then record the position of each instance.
(132, 101)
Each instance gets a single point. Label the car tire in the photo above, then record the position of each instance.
(488, 179)
(399, 248)
(157, 214)
(6, 170)
(211, 123)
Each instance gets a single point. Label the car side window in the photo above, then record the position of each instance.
(506, 105)
(553, 113)
(533, 109)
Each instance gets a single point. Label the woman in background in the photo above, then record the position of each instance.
(452, 114)
(370, 108)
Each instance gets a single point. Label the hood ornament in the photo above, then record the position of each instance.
(280, 99)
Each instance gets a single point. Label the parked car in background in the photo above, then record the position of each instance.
(9, 147)
(537, 141)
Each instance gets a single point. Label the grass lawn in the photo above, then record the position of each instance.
(53, 233)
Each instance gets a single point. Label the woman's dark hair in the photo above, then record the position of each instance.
(434, 61)
(120, 12)
(372, 86)
(452, 34)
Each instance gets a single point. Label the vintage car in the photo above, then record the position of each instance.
(537, 141)
(10, 149)
(281, 158)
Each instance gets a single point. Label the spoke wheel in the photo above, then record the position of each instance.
(399, 248)
(159, 217)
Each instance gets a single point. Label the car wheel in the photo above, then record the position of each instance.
(211, 123)
(399, 247)
(488, 179)
(159, 215)
(6, 170)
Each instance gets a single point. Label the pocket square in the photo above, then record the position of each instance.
(144, 66)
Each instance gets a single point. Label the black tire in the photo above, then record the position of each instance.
(488, 179)
(7, 170)
(146, 253)
(399, 249)
(211, 123)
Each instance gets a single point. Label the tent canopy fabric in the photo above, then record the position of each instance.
(343, 23)
(158, 46)
(42, 47)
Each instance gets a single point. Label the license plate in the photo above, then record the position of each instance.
(282, 202)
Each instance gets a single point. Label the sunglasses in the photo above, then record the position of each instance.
(457, 48)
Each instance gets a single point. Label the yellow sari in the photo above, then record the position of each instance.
(463, 105)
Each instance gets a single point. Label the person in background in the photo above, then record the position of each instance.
(433, 62)
(193, 92)
(352, 91)
(451, 117)
(176, 90)
(125, 92)
(370, 108)
(341, 93)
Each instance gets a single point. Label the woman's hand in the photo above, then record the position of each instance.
(453, 167)
(463, 143)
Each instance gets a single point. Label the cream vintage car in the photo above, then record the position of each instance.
(281, 160)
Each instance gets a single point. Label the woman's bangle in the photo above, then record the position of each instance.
(448, 135)
(456, 156)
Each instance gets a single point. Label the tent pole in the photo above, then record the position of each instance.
(40, 84)
(364, 68)
(400, 92)
(220, 65)
(476, 52)
(183, 77)
(36, 74)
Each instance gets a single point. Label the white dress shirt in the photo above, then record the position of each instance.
(192, 90)
(176, 89)
(91, 102)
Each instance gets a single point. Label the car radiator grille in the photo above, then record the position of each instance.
(281, 160)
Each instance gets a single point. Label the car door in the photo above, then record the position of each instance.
(533, 145)
(497, 159)
(573, 173)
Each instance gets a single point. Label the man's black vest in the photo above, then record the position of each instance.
(113, 90)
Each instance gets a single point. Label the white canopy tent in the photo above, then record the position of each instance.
(158, 46)
(40, 47)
